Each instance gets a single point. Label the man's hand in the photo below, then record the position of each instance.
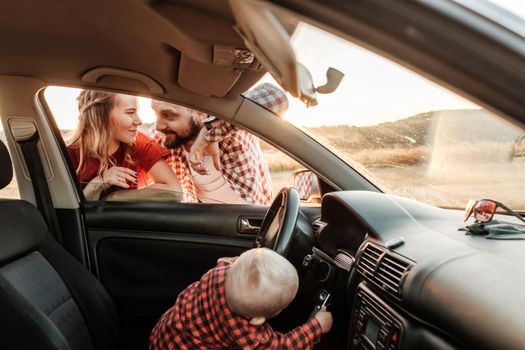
(199, 149)
(325, 319)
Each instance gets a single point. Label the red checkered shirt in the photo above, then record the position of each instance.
(242, 162)
(201, 319)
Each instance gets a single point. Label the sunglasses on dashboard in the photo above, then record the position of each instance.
(484, 210)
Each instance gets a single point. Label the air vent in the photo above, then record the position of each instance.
(383, 268)
(317, 226)
(369, 260)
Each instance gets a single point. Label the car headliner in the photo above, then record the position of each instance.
(58, 42)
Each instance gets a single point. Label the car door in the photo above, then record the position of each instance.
(145, 254)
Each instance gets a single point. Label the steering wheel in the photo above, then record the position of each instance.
(279, 224)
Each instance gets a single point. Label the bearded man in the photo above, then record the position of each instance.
(214, 160)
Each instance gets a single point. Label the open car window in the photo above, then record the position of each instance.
(250, 171)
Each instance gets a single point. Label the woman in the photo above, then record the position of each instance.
(108, 151)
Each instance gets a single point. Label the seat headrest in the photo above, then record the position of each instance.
(6, 174)
(23, 229)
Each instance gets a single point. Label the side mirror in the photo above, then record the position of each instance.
(307, 184)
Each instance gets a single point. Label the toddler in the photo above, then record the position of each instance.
(229, 306)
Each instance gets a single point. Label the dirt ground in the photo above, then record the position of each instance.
(281, 179)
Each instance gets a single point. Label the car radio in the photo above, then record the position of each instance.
(374, 325)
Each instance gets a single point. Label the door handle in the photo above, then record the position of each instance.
(246, 227)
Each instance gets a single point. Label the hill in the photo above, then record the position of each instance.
(413, 131)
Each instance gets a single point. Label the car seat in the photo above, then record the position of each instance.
(48, 300)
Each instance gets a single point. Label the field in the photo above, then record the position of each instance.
(281, 166)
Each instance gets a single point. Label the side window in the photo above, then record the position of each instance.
(129, 148)
(10, 191)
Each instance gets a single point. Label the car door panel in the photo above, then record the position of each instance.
(164, 238)
(145, 254)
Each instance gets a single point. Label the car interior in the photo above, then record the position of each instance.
(395, 272)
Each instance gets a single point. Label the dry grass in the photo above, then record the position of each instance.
(369, 158)
(278, 161)
(390, 157)
(446, 176)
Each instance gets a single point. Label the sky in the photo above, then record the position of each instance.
(374, 90)
(63, 103)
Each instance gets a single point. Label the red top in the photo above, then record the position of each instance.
(201, 319)
(146, 152)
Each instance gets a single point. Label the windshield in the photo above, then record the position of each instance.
(403, 132)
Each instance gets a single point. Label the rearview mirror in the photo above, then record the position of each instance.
(269, 40)
(307, 184)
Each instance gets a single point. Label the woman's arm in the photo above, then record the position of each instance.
(165, 188)
(116, 176)
(164, 177)
(144, 194)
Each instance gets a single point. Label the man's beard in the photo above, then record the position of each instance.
(177, 140)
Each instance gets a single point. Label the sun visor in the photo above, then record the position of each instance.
(215, 79)
(209, 56)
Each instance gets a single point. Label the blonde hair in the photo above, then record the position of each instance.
(260, 283)
(95, 127)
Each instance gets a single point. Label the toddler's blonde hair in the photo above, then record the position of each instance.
(260, 283)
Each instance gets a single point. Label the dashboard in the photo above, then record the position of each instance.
(415, 280)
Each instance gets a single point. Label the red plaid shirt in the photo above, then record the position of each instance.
(201, 319)
(242, 161)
